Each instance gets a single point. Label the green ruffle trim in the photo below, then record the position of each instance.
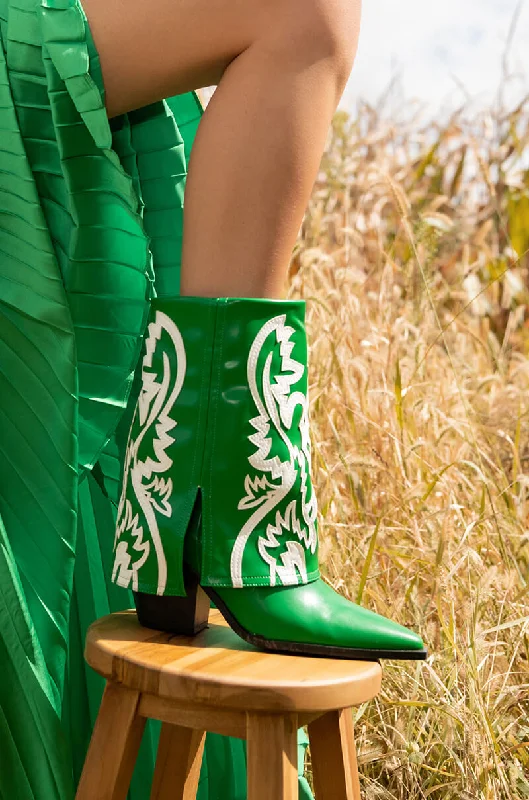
(127, 181)
(91, 216)
(107, 266)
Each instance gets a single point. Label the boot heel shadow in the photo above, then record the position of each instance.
(184, 616)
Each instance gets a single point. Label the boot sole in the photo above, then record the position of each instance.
(302, 649)
(187, 616)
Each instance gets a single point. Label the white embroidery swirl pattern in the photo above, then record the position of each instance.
(151, 489)
(275, 478)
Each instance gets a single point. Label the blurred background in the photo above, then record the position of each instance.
(442, 54)
(438, 56)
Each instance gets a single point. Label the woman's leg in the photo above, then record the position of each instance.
(245, 520)
(281, 67)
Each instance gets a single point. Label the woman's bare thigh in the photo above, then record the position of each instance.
(151, 49)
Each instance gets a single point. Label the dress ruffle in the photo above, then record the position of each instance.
(88, 213)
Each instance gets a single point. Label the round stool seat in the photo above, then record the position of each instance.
(216, 682)
(218, 668)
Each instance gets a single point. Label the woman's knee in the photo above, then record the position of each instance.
(321, 29)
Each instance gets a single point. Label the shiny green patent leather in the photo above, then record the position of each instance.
(221, 428)
(222, 414)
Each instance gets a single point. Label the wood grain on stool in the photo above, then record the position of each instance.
(333, 752)
(216, 682)
(217, 668)
(114, 746)
(178, 763)
(272, 756)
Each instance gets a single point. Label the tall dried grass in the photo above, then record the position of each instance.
(412, 257)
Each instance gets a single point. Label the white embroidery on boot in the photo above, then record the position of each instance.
(295, 555)
(152, 490)
(277, 406)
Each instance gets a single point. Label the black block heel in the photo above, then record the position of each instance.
(184, 616)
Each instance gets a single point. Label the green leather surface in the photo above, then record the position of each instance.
(316, 614)
(259, 510)
(221, 420)
(165, 448)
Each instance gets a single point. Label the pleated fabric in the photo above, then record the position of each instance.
(91, 216)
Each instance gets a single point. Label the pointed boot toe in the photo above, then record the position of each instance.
(316, 620)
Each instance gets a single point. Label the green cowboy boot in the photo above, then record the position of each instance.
(217, 494)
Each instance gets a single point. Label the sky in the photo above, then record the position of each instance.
(443, 52)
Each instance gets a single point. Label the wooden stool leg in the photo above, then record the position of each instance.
(272, 756)
(333, 753)
(113, 748)
(178, 763)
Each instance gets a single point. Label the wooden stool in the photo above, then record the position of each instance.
(216, 682)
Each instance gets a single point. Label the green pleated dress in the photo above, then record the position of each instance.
(90, 230)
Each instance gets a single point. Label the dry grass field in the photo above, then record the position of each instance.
(412, 257)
